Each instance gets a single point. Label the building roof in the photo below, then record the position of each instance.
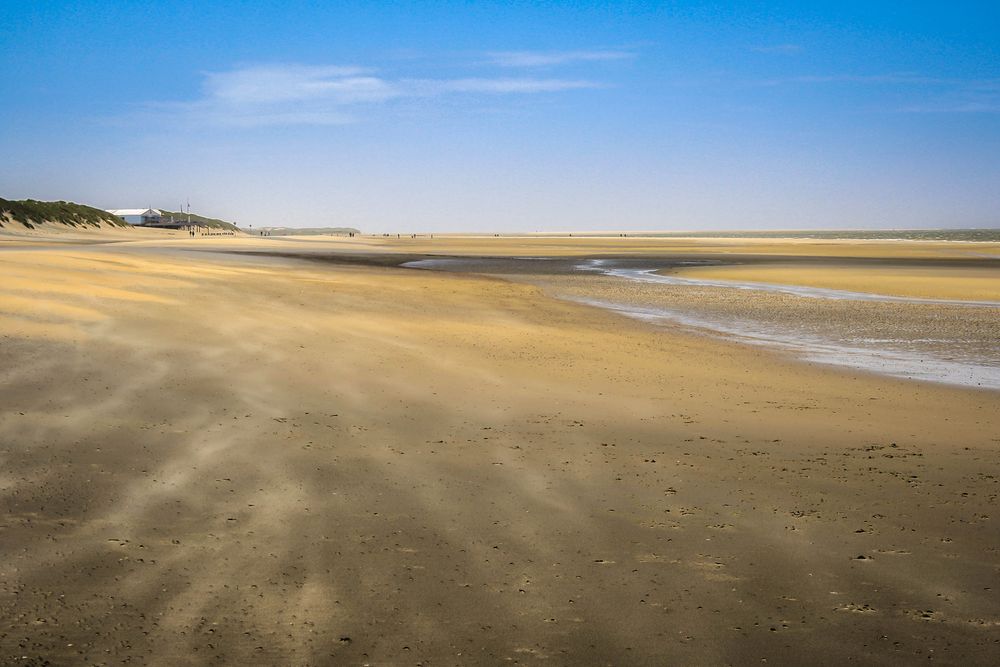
(133, 211)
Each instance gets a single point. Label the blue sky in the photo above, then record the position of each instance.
(411, 116)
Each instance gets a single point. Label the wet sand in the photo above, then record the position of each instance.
(211, 458)
(926, 336)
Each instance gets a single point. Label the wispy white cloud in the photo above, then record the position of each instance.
(930, 94)
(900, 78)
(554, 58)
(295, 94)
(780, 49)
(889, 78)
(501, 86)
(971, 97)
(280, 83)
(953, 107)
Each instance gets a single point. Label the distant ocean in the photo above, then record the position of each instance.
(982, 235)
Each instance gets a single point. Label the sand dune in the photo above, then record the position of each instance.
(216, 458)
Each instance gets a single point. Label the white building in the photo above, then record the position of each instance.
(137, 216)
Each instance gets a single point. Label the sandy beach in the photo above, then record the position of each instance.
(297, 451)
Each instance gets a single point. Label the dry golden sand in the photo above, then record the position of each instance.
(213, 458)
(979, 283)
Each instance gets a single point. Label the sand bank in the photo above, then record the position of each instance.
(924, 282)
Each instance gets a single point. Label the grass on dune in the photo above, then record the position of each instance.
(31, 211)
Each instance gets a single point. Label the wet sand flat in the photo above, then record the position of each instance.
(938, 334)
(211, 458)
(943, 340)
